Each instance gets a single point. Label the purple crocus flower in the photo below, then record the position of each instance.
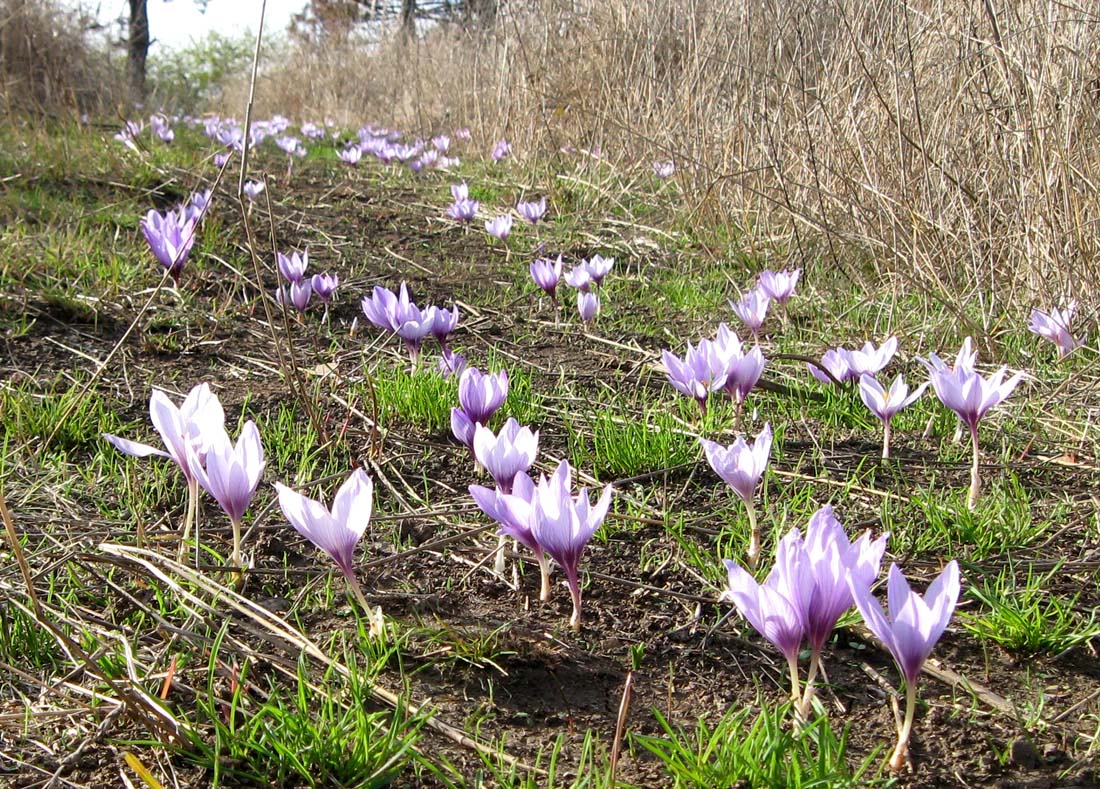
(351, 155)
(869, 360)
(532, 211)
(499, 226)
(664, 169)
(599, 267)
(588, 305)
(1055, 326)
(968, 394)
(506, 454)
(741, 466)
(563, 525)
(502, 149)
(231, 475)
(324, 285)
(336, 531)
(462, 427)
(837, 362)
(451, 363)
(381, 308)
(702, 370)
(546, 274)
(252, 189)
(220, 160)
(913, 627)
(743, 369)
(445, 323)
(779, 286)
(579, 277)
(460, 192)
(441, 142)
(463, 210)
(162, 128)
(776, 607)
(411, 323)
(170, 236)
(481, 394)
(290, 145)
(752, 309)
(298, 296)
(197, 208)
(515, 513)
(885, 403)
(293, 267)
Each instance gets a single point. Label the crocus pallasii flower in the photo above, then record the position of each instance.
(588, 305)
(869, 360)
(199, 205)
(913, 627)
(296, 295)
(546, 273)
(252, 189)
(188, 430)
(460, 192)
(506, 454)
(325, 285)
(231, 475)
(968, 394)
(1055, 326)
(351, 155)
(741, 466)
(336, 531)
(502, 149)
(664, 169)
(515, 513)
(579, 277)
(170, 236)
(884, 403)
(752, 309)
(532, 211)
(463, 210)
(451, 363)
(743, 369)
(293, 267)
(598, 268)
(563, 525)
(702, 370)
(779, 286)
(481, 394)
(836, 363)
(499, 226)
(380, 308)
(411, 323)
(446, 321)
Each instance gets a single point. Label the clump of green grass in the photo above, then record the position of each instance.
(420, 398)
(764, 751)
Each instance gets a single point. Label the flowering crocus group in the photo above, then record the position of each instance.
(741, 466)
(844, 365)
(171, 236)
(397, 313)
(1055, 326)
(714, 365)
(970, 395)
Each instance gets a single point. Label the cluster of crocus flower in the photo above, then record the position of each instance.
(815, 581)
(839, 366)
(398, 314)
(587, 278)
(1055, 326)
(463, 209)
(300, 288)
(547, 518)
(721, 364)
(194, 437)
(741, 466)
(970, 395)
(752, 307)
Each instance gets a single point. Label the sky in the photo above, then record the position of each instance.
(175, 24)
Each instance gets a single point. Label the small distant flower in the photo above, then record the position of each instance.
(909, 632)
(885, 403)
(579, 277)
(506, 454)
(599, 267)
(445, 323)
(313, 131)
(664, 169)
(129, 133)
(197, 208)
(463, 210)
(742, 466)
(546, 273)
(351, 155)
(752, 309)
(220, 160)
(170, 235)
(499, 226)
(481, 394)
(502, 149)
(252, 189)
(1055, 326)
(870, 360)
(462, 133)
(231, 474)
(563, 525)
(460, 192)
(162, 128)
(779, 286)
(451, 363)
(291, 146)
(532, 211)
(441, 143)
(293, 267)
(588, 305)
(837, 362)
(411, 323)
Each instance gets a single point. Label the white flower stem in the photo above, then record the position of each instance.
(753, 554)
(811, 675)
(975, 478)
(544, 572)
(374, 616)
(575, 593)
(901, 750)
(886, 439)
(189, 518)
(498, 565)
(796, 694)
(236, 559)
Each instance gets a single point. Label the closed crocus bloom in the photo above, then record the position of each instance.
(252, 189)
(741, 466)
(579, 277)
(381, 308)
(463, 210)
(293, 266)
(588, 305)
(351, 155)
(752, 309)
(231, 475)
(502, 149)
(170, 235)
(546, 273)
(197, 208)
(506, 454)
(563, 526)
(837, 363)
(664, 169)
(451, 363)
(324, 285)
(884, 403)
(1055, 326)
(599, 267)
(463, 428)
(779, 286)
(481, 394)
(446, 321)
(743, 369)
(499, 226)
(870, 360)
(909, 632)
(460, 192)
(532, 211)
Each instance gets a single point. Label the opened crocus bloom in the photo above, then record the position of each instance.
(506, 454)
(779, 286)
(499, 226)
(231, 475)
(532, 211)
(703, 370)
(884, 403)
(752, 309)
(293, 267)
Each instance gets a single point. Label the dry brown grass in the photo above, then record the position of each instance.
(48, 64)
(947, 146)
